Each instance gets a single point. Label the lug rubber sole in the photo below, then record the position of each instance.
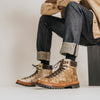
(52, 87)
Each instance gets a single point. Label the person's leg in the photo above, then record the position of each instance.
(69, 56)
(47, 24)
(78, 29)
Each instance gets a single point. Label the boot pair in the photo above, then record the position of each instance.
(64, 77)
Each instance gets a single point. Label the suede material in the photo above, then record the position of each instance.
(66, 76)
(34, 77)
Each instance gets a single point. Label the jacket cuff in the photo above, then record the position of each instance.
(62, 2)
(49, 9)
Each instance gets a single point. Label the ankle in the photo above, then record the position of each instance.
(69, 56)
(44, 62)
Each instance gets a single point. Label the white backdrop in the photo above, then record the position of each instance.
(18, 32)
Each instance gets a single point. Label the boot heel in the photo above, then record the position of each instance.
(75, 86)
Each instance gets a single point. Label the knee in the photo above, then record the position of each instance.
(43, 18)
(72, 3)
(72, 6)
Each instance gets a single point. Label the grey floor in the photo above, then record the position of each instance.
(36, 93)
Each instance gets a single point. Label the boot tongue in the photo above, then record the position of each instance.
(69, 62)
(39, 66)
(66, 62)
(60, 64)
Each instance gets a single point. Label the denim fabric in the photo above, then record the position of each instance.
(76, 27)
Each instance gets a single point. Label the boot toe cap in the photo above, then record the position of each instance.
(23, 82)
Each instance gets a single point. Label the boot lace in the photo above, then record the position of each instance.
(61, 68)
(36, 72)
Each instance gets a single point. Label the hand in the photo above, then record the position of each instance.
(51, 1)
(60, 7)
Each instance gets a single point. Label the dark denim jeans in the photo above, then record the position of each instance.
(75, 29)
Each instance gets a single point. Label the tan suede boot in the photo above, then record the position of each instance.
(64, 77)
(41, 71)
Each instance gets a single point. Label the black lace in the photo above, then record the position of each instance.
(37, 68)
(61, 68)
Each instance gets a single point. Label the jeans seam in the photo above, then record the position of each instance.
(46, 44)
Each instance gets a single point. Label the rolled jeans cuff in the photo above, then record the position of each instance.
(42, 55)
(70, 48)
